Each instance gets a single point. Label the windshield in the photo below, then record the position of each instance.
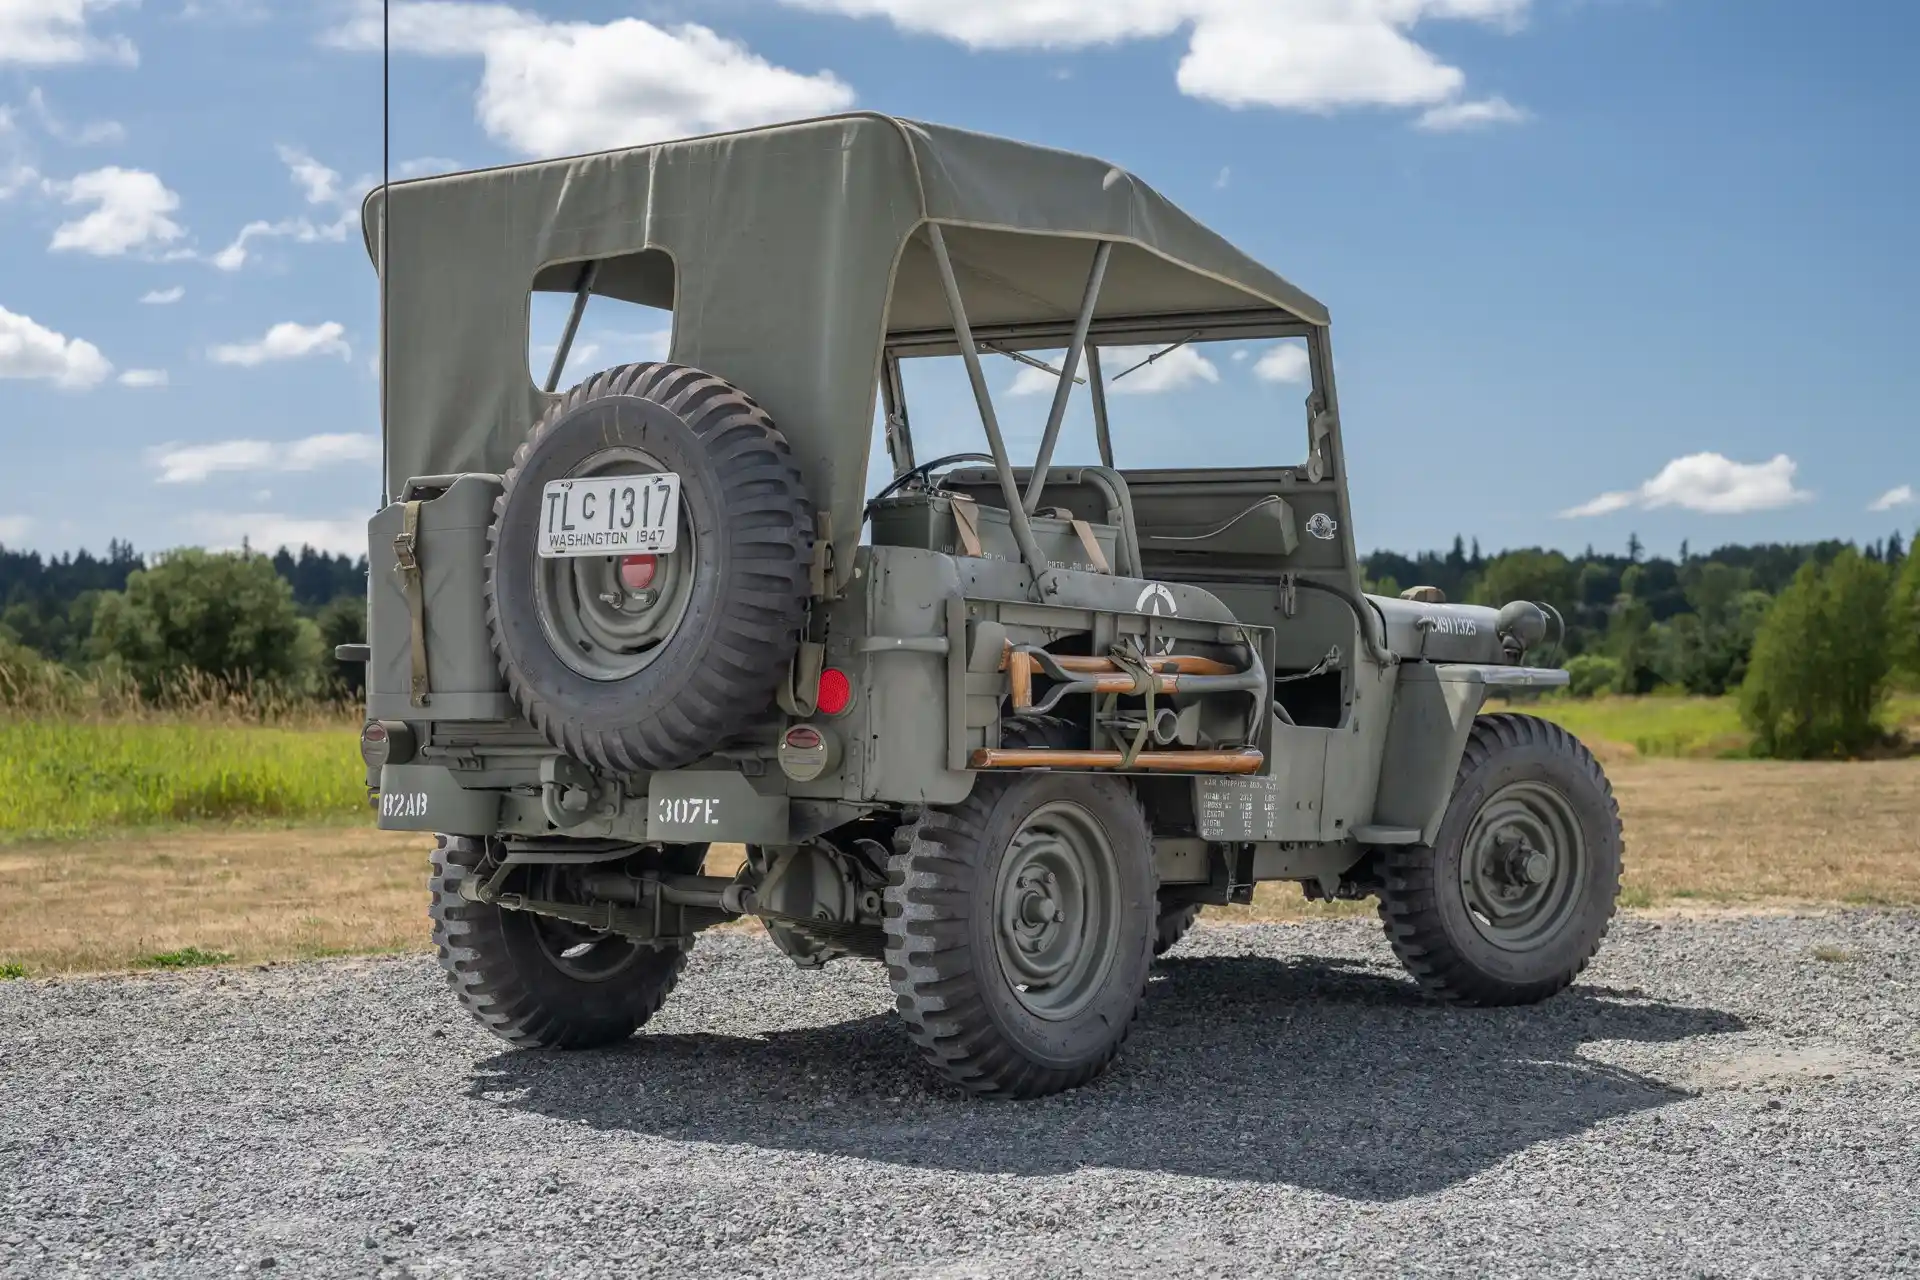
(1170, 405)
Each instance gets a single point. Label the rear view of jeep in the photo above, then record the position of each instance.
(1002, 725)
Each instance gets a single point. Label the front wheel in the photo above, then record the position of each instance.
(1020, 931)
(1513, 897)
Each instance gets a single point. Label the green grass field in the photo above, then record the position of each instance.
(1680, 728)
(73, 779)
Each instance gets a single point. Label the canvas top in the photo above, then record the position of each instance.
(788, 255)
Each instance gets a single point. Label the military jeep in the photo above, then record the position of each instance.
(1003, 728)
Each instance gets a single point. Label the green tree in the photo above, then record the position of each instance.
(343, 621)
(1820, 662)
(1903, 621)
(1589, 675)
(1631, 643)
(1527, 575)
(1705, 651)
(224, 616)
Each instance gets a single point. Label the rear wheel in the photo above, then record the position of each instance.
(535, 982)
(1515, 894)
(1020, 929)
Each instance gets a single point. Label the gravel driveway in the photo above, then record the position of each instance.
(1721, 1097)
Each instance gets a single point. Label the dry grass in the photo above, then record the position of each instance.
(1761, 830)
(254, 895)
(1700, 834)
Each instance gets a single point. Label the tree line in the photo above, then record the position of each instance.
(1810, 636)
(166, 621)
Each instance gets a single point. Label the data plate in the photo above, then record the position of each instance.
(610, 515)
(1239, 808)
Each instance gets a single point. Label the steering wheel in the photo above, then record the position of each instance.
(920, 472)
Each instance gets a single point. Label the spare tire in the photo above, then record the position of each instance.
(659, 665)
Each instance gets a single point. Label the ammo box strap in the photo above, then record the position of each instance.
(966, 524)
(406, 555)
(1091, 545)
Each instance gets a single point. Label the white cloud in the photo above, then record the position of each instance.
(1301, 55)
(1226, 176)
(85, 136)
(144, 378)
(16, 177)
(1901, 495)
(1455, 117)
(235, 11)
(286, 341)
(300, 230)
(549, 87)
(268, 531)
(190, 464)
(1030, 381)
(1180, 367)
(1285, 362)
(14, 528)
(1709, 483)
(50, 32)
(321, 184)
(130, 208)
(29, 350)
(163, 297)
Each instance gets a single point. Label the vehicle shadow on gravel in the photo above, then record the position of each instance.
(1329, 1074)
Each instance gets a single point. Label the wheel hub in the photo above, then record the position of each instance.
(1056, 910)
(1521, 865)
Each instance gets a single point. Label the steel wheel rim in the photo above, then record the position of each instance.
(579, 952)
(1056, 911)
(595, 625)
(1523, 864)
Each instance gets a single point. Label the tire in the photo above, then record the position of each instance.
(1475, 918)
(683, 675)
(1172, 926)
(945, 956)
(501, 969)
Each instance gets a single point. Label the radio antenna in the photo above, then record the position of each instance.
(386, 217)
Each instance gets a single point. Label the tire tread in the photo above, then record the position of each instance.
(1407, 893)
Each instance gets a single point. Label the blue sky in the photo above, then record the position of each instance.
(1595, 266)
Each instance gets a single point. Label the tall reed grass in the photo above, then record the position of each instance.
(84, 753)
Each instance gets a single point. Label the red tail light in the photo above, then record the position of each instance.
(836, 692)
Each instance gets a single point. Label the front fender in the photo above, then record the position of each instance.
(1433, 709)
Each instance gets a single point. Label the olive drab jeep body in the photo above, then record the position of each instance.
(1000, 724)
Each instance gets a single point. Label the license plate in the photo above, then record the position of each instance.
(610, 516)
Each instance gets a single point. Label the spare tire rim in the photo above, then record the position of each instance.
(1523, 866)
(1056, 911)
(594, 623)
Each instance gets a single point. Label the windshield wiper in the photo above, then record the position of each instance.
(1026, 359)
(1156, 355)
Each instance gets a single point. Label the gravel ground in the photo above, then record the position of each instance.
(1733, 1096)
